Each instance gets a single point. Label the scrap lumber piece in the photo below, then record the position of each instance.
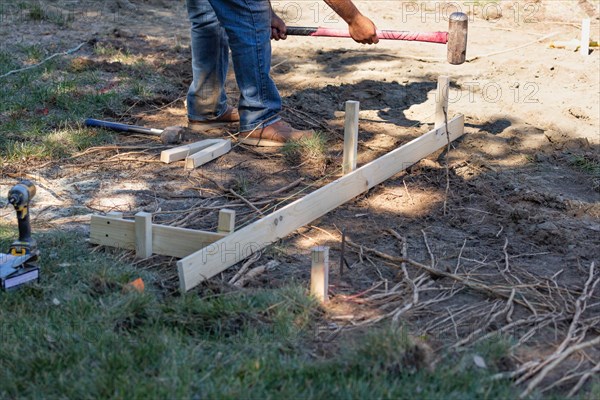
(237, 246)
(208, 154)
(181, 152)
(166, 240)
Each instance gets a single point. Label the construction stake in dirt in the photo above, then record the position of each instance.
(226, 222)
(585, 38)
(319, 273)
(350, 137)
(441, 101)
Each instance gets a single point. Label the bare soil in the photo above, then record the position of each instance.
(524, 187)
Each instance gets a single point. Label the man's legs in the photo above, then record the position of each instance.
(248, 27)
(206, 98)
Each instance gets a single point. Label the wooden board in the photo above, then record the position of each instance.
(166, 240)
(237, 246)
(181, 152)
(208, 154)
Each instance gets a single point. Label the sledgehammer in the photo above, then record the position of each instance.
(456, 37)
(170, 135)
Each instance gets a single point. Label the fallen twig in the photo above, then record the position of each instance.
(254, 272)
(45, 60)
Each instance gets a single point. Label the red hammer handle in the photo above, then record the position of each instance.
(430, 37)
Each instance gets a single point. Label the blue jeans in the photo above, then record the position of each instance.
(244, 26)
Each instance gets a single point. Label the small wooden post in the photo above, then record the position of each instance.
(143, 235)
(350, 136)
(319, 274)
(226, 221)
(584, 49)
(441, 101)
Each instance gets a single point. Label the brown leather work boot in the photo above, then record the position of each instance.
(275, 135)
(229, 116)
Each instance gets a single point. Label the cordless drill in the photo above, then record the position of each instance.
(20, 196)
(19, 265)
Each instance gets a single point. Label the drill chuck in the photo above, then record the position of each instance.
(21, 194)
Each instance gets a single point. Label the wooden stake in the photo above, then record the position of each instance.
(441, 101)
(143, 235)
(319, 273)
(584, 49)
(350, 136)
(226, 223)
(207, 262)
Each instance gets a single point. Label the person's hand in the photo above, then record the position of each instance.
(363, 30)
(278, 28)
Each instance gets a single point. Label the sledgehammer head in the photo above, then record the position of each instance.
(457, 38)
(172, 135)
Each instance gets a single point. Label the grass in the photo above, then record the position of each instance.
(586, 164)
(589, 166)
(311, 151)
(77, 335)
(43, 108)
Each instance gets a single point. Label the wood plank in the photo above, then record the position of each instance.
(115, 214)
(166, 240)
(319, 273)
(237, 246)
(226, 222)
(350, 136)
(181, 152)
(181, 242)
(441, 101)
(113, 232)
(208, 154)
(143, 234)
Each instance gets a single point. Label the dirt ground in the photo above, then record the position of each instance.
(523, 206)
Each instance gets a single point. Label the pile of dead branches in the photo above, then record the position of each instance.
(562, 323)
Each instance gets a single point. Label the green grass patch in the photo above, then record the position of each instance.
(312, 151)
(77, 335)
(43, 108)
(586, 164)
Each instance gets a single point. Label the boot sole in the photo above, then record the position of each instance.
(262, 142)
(202, 126)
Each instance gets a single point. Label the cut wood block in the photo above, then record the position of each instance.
(239, 245)
(166, 240)
(208, 154)
(181, 152)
